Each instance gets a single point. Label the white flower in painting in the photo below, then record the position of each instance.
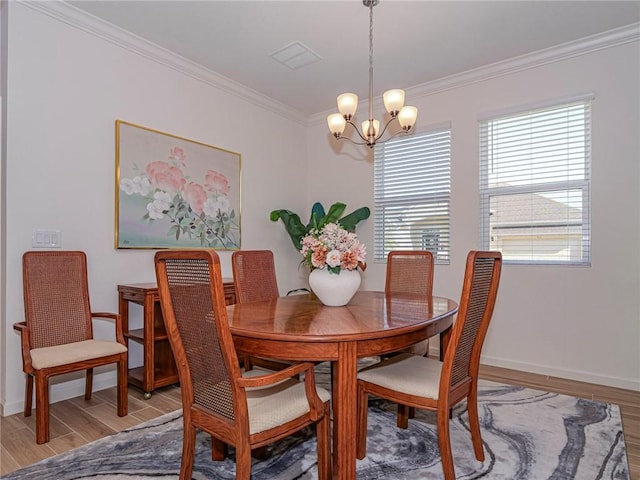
(143, 185)
(155, 211)
(161, 203)
(213, 206)
(127, 186)
(139, 184)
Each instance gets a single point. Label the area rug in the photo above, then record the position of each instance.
(527, 434)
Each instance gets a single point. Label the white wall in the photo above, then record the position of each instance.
(579, 323)
(66, 89)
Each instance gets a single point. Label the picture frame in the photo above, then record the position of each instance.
(172, 192)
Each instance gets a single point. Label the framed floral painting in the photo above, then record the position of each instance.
(172, 192)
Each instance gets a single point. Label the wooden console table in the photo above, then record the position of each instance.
(158, 368)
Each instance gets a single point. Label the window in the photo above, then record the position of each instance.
(534, 184)
(412, 188)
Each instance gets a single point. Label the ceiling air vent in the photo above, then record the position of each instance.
(295, 55)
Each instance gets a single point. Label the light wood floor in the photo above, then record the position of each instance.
(76, 422)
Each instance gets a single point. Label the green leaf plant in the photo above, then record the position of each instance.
(319, 218)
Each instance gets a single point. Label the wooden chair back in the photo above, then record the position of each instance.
(254, 275)
(56, 297)
(194, 311)
(477, 301)
(409, 272)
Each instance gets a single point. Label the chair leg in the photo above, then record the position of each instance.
(123, 398)
(243, 461)
(188, 451)
(323, 434)
(444, 442)
(403, 416)
(361, 431)
(88, 384)
(474, 424)
(259, 453)
(28, 395)
(42, 408)
(218, 450)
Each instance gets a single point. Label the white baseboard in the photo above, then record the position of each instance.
(569, 374)
(65, 391)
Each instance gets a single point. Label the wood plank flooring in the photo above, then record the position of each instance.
(76, 422)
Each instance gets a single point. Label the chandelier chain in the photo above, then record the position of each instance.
(371, 3)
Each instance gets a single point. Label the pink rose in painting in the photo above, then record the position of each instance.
(178, 155)
(216, 182)
(165, 177)
(196, 196)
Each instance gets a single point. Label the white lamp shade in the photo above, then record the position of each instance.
(393, 100)
(407, 117)
(337, 123)
(365, 128)
(347, 104)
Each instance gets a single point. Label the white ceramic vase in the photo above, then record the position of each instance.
(334, 289)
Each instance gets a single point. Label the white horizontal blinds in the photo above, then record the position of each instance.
(534, 185)
(412, 188)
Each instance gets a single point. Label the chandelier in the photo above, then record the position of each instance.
(393, 102)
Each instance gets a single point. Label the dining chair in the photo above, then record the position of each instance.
(426, 383)
(254, 280)
(248, 411)
(57, 334)
(410, 272)
(254, 275)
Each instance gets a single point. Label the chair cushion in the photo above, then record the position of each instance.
(411, 374)
(277, 404)
(57, 355)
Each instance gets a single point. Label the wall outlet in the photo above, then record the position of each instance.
(46, 239)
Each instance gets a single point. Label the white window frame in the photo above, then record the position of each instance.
(412, 175)
(578, 180)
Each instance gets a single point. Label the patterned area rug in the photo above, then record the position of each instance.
(527, 434)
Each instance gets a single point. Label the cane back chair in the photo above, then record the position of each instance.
(410, 272)
(57, 334)
(254, 280)
(426, 383)
(246, 412)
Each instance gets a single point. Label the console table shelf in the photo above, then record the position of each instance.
(158, 368)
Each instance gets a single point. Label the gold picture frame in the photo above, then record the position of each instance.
(172, 192)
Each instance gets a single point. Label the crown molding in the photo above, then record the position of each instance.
(593, 43)
(67, 13)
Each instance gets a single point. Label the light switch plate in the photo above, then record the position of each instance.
(46, 238)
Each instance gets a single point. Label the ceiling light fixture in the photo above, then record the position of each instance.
(393, 102)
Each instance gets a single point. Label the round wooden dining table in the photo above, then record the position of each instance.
(299, 327)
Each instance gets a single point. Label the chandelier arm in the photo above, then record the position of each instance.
(385, 129)
(358, 132)
(352, 141)
(401, 133)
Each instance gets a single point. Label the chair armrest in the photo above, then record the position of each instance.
(118, 322)
(316, 409)
(24, 345)
(275, 377)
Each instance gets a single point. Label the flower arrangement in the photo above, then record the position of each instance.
(334, 248)
(197, 210)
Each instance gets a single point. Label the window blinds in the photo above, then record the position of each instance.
(412, 188)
